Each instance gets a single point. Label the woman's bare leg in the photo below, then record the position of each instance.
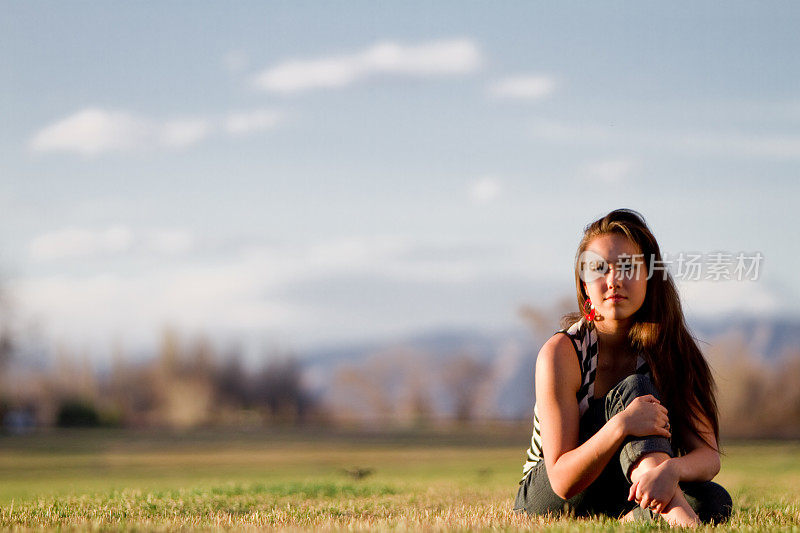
(677, 512)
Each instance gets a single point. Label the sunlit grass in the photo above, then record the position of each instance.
(127, 481)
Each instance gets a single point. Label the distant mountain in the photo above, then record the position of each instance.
(507, 358)
(768, 339)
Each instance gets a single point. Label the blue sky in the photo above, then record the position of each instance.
(310, 173)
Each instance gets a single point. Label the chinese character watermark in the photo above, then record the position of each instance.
(683, 266)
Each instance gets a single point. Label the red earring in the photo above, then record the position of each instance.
(588, 314)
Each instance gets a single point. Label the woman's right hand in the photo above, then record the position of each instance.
(645, 416)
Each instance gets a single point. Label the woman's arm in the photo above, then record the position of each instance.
(701, 463)
(572, 468)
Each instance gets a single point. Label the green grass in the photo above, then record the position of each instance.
(107, 480)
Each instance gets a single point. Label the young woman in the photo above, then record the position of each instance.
(625, 410)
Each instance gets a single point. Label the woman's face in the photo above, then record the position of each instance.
(614, 276)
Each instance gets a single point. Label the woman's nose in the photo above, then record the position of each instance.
(612, 279)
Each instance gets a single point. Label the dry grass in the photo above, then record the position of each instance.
(256, 482)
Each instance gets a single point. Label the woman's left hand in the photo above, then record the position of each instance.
(656, 488)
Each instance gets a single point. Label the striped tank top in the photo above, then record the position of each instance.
(584, 340)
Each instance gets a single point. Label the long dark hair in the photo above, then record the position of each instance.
(659, 332)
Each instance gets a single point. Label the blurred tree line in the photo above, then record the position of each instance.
(403, 386)
(188, 384)
(757, 398)
(185, 385)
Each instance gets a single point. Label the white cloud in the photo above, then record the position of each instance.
(355, 252)
(251, 121)
(713, 298)
(609, 171)
(523, 87)
(458, 56)
(74, 242)
(294, 76)
(170, 241)
(395, 258)
(232, 293)
(182, 133)
(101, 306)
(257, 289)
(93, 131)
(484, 190)
(563, 132)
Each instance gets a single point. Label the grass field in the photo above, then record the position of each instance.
(300, 479)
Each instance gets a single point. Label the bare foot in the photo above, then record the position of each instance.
(679, 513)
(637, 515)
(627, 518)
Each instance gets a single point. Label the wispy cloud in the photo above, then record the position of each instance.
(262, 288)
(251, 121)
(100, 307)
(609, 171)
(447, 57)
(94, 131)
(170, 241)
(74, 242)
(712, 298)
(566, 132)
(523, 87)
(484, 190)
(300, 290)
(686, 142)
(181, 133)
(766, 146)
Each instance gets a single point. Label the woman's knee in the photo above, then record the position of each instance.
(638, 385)
(629, 389)
(626, 391)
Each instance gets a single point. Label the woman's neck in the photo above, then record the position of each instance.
(613, 335)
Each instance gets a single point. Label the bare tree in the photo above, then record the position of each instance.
(278, 388)
(463, 375)
(546, 321)
(6, 335)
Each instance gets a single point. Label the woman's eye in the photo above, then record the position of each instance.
(598, 266)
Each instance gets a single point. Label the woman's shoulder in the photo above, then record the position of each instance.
(557, 364)
(560, 349)
(559, 342)
(576, 332)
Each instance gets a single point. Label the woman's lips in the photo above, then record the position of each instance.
(615, 298)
